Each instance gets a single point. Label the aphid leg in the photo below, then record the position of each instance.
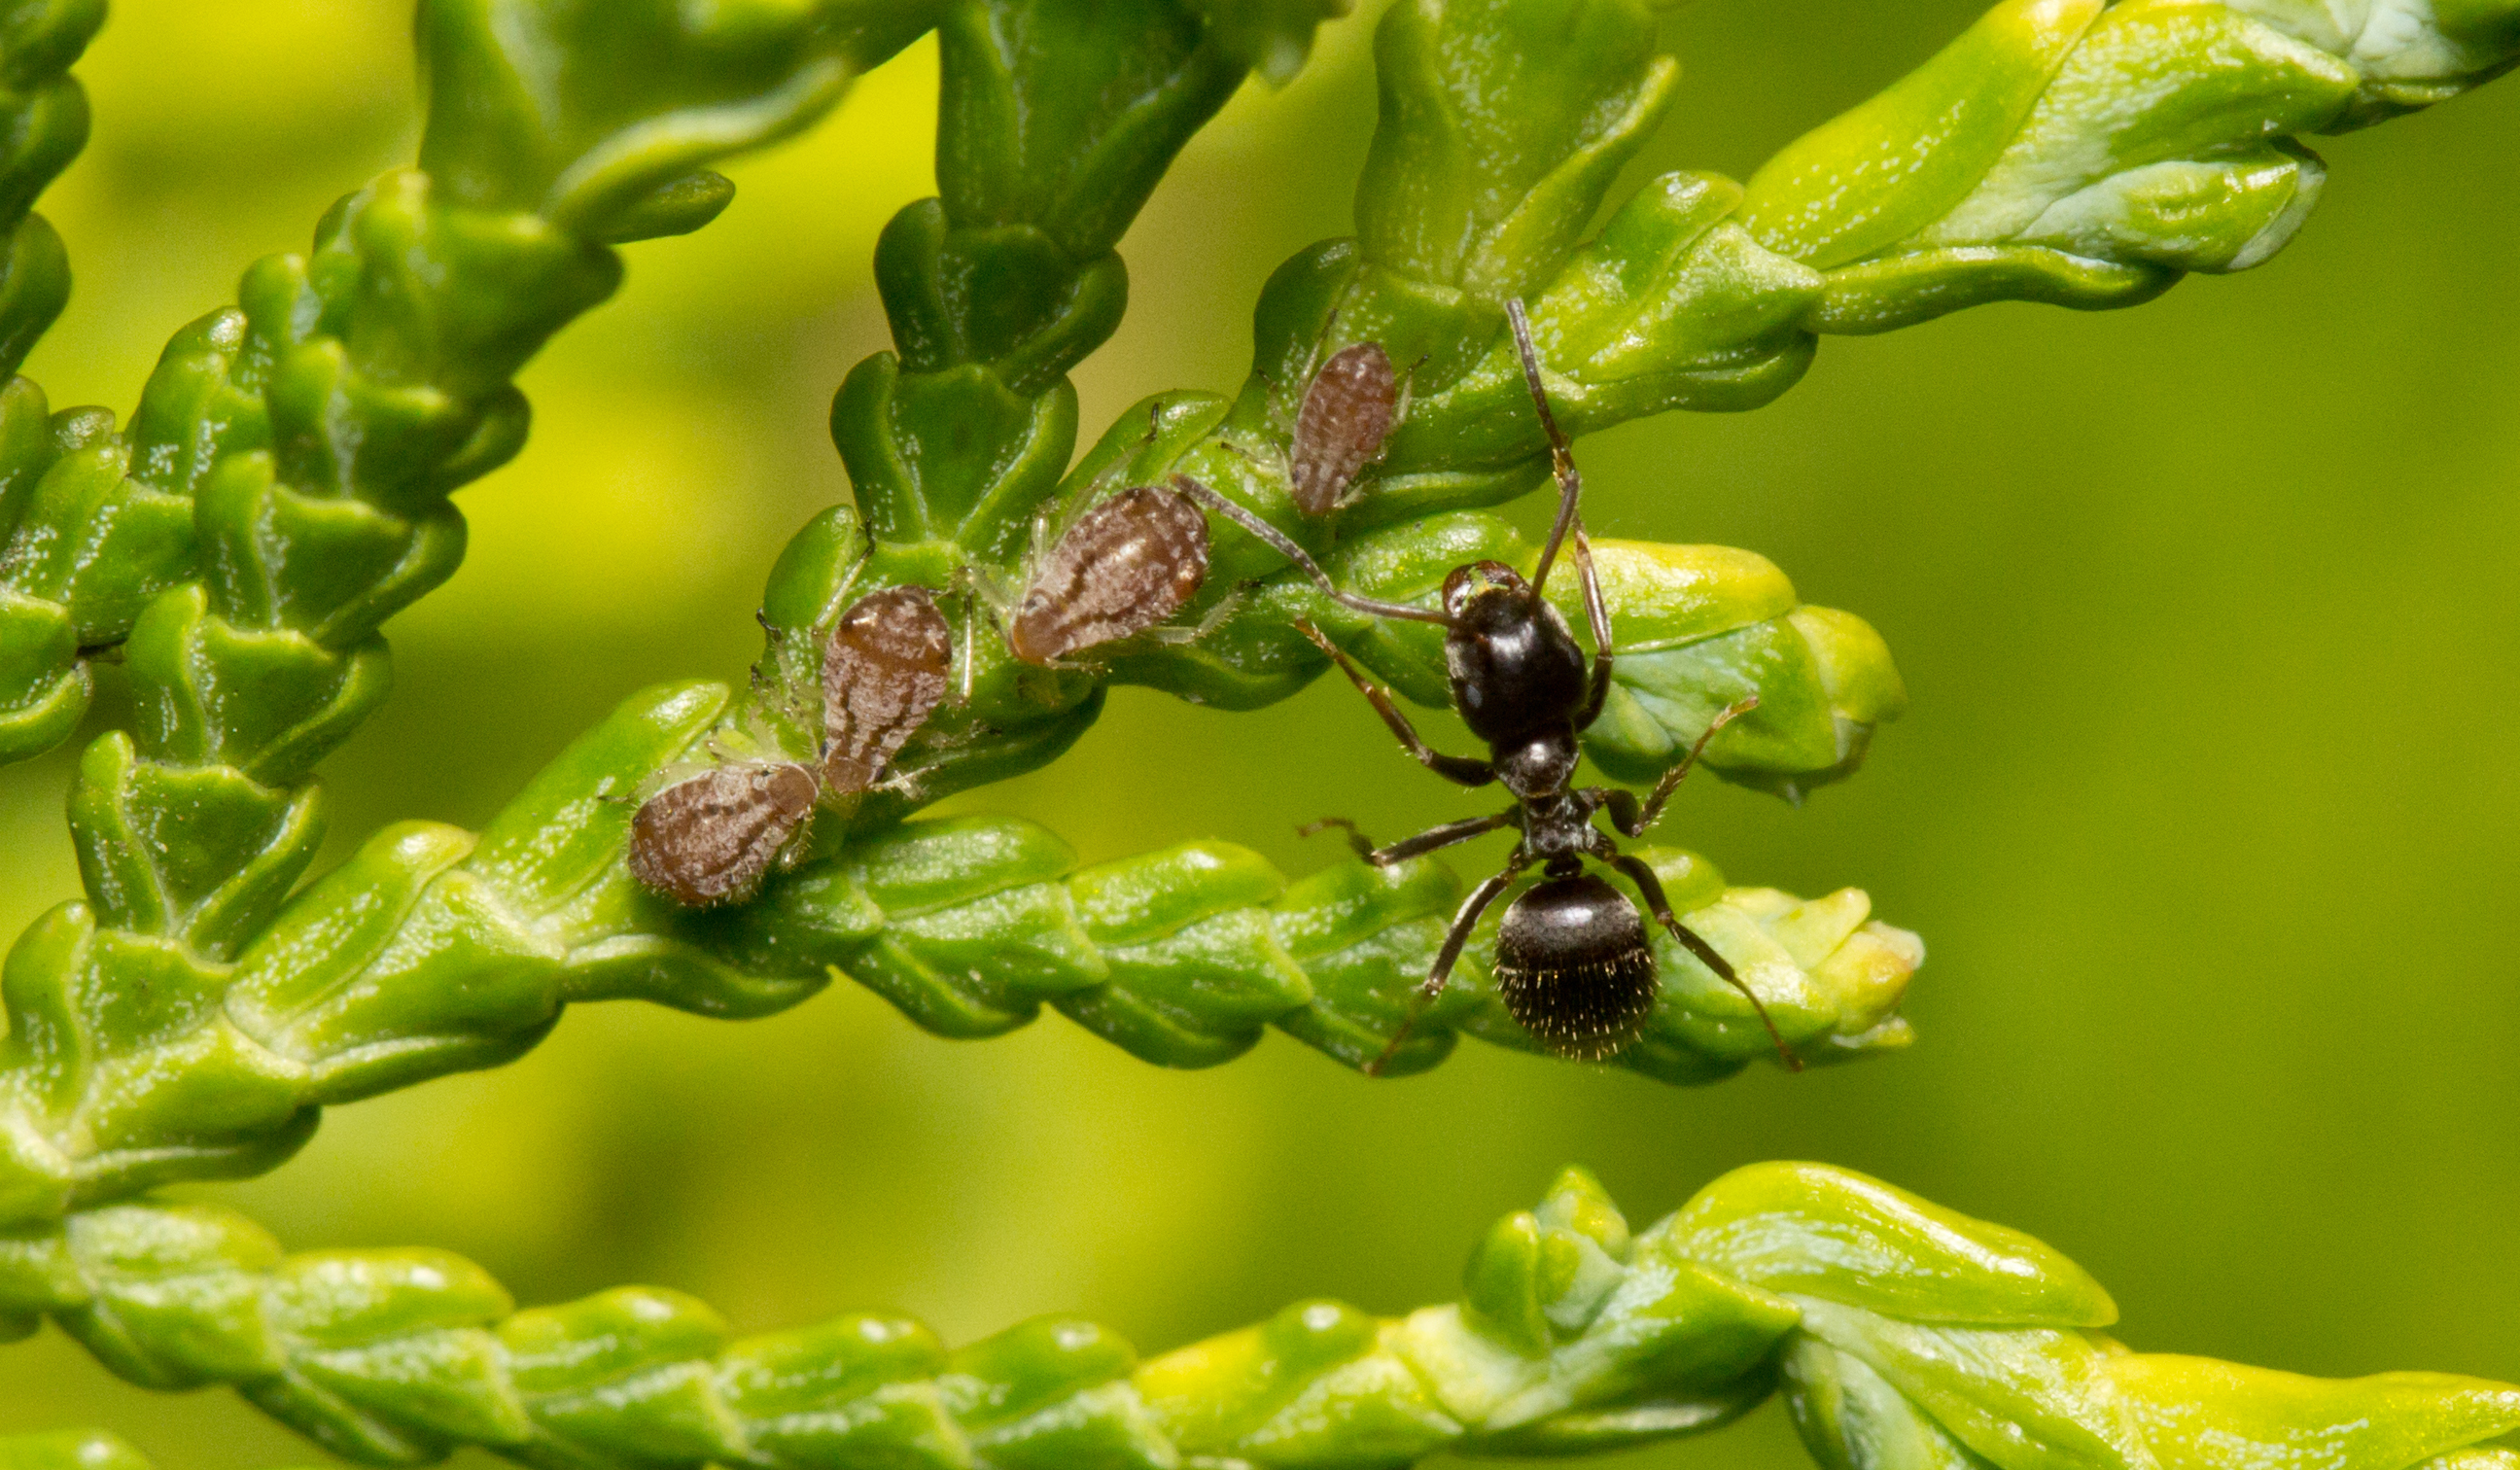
(1450, 834)
(1408, 390)
(1357, 841)
(781, 691)
(1633, 820)
(1650, 887)
(1561, 455)
(1285, 546)
(978, 588)
(1597, 614)
(971, 641)
(907, 785)
(1215, 617)
(1464, 921)
(1462, 768)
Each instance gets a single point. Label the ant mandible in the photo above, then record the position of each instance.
(1572, 964)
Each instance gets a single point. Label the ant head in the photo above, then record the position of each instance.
(1468, 584)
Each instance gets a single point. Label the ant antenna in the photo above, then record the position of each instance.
(1285, 546)
(1561, 456)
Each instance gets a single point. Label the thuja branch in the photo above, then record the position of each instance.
(2089, 154)
(433, 949)
(296, 453)
(1903, 1337)
(2054, 143)
(55, 594)
(282, 487)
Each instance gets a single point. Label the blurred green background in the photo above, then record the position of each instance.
(2207, 805)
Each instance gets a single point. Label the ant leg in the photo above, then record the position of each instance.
(1650, 887)
(1598, 615)
(1357, 841)
(1452, 768)
(1561, 455)
(1285, 546)
(1450, 834)
(1449, 955)
(1623, 812)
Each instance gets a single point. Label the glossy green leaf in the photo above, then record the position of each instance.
(1272, 37)
(1575, 1336)
(2197, 1411)
(1503, 123)
(599, 118)
(2066, 153)
(1814, 1230)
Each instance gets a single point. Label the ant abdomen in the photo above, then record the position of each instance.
(1573, 967)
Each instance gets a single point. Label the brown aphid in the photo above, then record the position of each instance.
(710, 839)
(1126, 566)
(884, 672)
(1346, 415)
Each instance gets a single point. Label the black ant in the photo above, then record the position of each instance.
(1572, 964)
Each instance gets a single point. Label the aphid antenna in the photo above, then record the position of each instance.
(1561, 455)
(1063, 515)
(1285, 546)
(1312, 365)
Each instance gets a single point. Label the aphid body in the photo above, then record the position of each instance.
(1124, 566)
(1347, 413)
(709, 840)
(712, 838)
(885, 671)
(1573, 965)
